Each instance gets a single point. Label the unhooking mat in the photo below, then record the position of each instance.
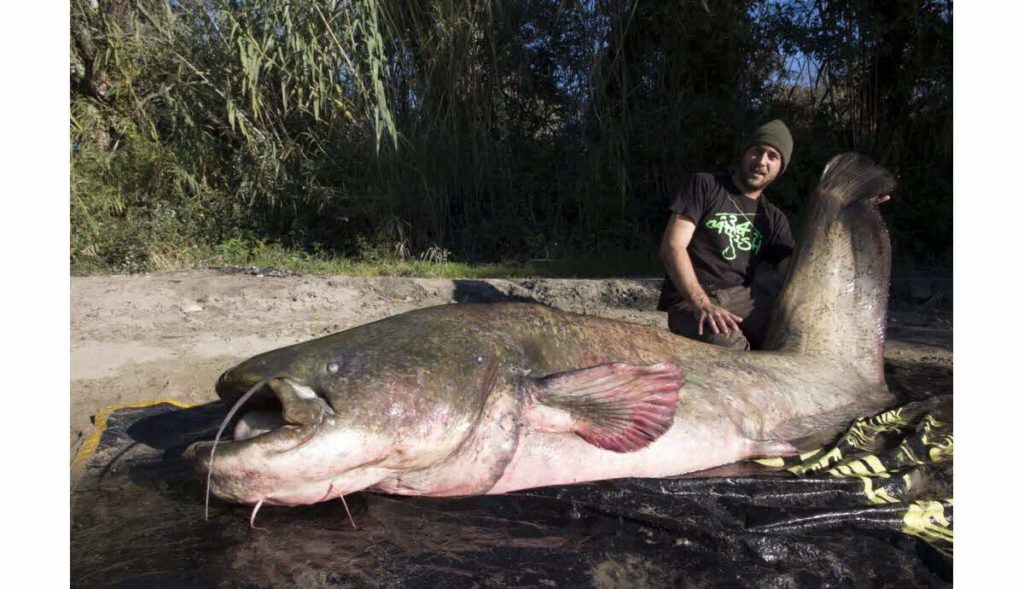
(872, 509)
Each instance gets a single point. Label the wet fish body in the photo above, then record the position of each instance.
(473, 399)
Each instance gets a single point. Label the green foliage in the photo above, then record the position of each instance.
(439, 132)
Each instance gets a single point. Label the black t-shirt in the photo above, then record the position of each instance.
(734, 233)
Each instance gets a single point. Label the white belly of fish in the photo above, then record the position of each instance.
(544, 458)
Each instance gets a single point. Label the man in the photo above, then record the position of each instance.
(721, 227)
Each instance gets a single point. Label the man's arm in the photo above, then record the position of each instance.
(677, 262)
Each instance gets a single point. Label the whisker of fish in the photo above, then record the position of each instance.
(216, 440)
(347, 512)
(252, 518)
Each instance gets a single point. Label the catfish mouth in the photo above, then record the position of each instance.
(295, 413)
(301, 404)
(287, 420)
(260, 434)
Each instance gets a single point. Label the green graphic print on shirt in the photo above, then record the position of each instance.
(739, 228)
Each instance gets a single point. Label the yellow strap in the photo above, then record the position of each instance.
(874, 495)
(926, 519)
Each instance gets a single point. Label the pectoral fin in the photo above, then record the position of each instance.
(618, 407)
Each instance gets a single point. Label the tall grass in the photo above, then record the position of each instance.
(474, 130)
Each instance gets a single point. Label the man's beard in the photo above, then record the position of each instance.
(753, 182)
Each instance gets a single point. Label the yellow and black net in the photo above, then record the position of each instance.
(901, 459)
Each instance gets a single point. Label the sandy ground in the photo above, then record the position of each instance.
(144, 337)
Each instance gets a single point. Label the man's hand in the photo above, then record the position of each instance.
(677, 261)
(719, 319)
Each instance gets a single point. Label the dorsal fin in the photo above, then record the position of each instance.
(834, 301)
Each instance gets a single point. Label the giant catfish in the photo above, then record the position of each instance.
(469, 399)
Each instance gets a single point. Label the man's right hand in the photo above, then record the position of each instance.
(720, 320)
(674, 254)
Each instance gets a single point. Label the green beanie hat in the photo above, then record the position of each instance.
(776, 134)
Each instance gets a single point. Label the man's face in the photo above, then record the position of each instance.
(759, 166)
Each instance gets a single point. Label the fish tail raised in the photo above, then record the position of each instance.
(834, 302)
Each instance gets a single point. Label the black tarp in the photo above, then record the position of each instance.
(872, 509)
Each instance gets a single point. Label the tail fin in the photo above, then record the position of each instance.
(833, 304)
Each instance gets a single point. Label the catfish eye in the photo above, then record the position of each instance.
(333, 368)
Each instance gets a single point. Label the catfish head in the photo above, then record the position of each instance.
(345, 412)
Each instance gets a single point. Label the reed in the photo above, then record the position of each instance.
(479, 130)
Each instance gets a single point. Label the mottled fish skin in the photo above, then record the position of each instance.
(453, 400)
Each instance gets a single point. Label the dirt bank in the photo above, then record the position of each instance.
(142, 337)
